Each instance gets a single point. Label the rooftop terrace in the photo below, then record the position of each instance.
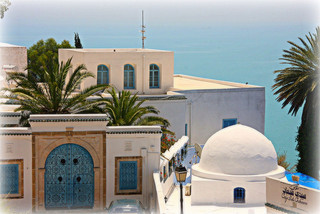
(184, 82)
(6, 45)
(117, 50)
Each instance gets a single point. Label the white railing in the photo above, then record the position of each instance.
(159, 197)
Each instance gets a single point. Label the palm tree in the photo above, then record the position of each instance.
(282, 161)
(125, 110)
(55, 94)
(298, 85)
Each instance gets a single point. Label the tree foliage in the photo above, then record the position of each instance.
(125, 110)
(297, 85)
(4, 6)
(167, 140)
(56, 94)
(282, 161)
(44, 55)
(77, 42)
(308, 143)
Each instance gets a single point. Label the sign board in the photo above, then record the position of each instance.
(291, 196)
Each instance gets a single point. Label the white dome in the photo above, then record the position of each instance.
(238, 150)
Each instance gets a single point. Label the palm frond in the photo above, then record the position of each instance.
(125, 109)
(56, 93)
(295, 83)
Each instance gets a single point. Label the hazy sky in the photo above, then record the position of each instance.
(52, 18)
(160, 12)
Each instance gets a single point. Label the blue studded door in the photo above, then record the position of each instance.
(69, 178)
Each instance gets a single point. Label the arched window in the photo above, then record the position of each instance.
(102, 75)
(239, 195)
(154, 76)
(128, 77)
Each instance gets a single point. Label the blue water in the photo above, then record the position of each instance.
(304, 180)
(233, 53)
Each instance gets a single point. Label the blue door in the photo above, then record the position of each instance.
(69, 178)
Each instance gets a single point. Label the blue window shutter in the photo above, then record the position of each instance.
(229, 122)
(128, 175)
(239, 195)
(102, 75)
(154, 76)
(129, 82)
(9, 178)
(98, 78)
(186, 129)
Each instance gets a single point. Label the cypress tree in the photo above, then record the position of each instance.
(77, 42)
(308, 140)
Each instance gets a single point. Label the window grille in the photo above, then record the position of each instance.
(128, 179)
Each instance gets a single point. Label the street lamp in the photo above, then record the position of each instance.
(181, 174)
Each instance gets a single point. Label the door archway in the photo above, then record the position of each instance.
(69, 178)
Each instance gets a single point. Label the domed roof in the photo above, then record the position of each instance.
(238, 150)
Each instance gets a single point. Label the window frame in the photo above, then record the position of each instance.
(229, 120)
(101, 74)
(20, 193)
(118, 161)
(126, 72)
(152, 71)
(239, 195)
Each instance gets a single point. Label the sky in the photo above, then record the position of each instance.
(112, 15)
(164, 12)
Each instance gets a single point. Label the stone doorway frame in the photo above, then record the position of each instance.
(43, 143)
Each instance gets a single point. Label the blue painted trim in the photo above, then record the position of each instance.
(100, 70)
(128, 69)
(229, 122)
(186, 129)
(153, 69)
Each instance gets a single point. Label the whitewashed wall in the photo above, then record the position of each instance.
(206, 110)
(160, 204)
(220, 192)
(12, 55)
(128, 141)
(174, 111)
(16, 143)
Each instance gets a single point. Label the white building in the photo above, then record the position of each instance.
(190, 103)
(142, 71)
(13, 58)
(233, 168)
(76, 162)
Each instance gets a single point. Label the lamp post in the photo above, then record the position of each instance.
(181, 174)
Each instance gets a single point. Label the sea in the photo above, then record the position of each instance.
(238, 53)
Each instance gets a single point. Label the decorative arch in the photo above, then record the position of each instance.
(44, 143)
(78, 141)
(129, 73)
(154, 76)
(102, 74)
